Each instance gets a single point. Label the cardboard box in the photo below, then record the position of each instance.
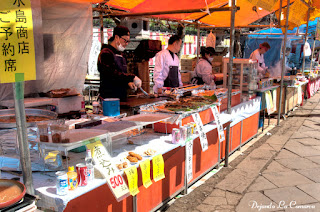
(185, 77)
(186, 68)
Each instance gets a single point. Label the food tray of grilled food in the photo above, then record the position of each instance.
(8, 117)
(185, 104)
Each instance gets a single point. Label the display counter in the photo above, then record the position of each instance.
(291, 96)
(97, 196)
(313, 86)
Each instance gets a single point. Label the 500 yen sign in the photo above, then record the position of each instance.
(116, 181)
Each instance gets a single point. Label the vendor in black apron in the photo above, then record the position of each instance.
(166, 71)
(114, 79)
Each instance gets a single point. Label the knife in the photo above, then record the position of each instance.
(145, 93)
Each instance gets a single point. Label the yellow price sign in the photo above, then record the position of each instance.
(145, 171)
(158, 168)
(17, 61)
(132, 176)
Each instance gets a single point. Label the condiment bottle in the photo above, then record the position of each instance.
(95, 106)
(89, 164)
(72, 178)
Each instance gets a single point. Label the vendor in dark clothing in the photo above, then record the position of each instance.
(114, 79)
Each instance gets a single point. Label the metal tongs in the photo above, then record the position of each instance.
(143, 91)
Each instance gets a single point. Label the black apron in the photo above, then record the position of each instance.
(121, 64)
(172, 79)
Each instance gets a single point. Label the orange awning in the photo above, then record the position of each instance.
(245, 16)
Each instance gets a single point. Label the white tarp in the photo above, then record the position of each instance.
(63, 37)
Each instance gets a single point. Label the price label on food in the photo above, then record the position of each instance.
(145, 171)
(17, 61)
(132, 176)
(202, 134)
(102, 162)
(189, 160)
(216, 116)
(158, 168)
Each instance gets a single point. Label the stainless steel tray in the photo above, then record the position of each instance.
(29, 112)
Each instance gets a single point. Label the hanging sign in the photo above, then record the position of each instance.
(202, 134)
(17, 60)
(216, 116)
(132, 176)
(158, 168)
(189, 160)
(269, 102)
(145, 171)
(102, 162)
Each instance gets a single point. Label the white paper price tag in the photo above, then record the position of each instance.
(102, 162)
(189, 160)
(216, 116)
(202, 134)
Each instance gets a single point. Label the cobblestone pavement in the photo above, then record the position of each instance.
(279, 173)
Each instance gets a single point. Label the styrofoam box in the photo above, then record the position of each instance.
(67, 104)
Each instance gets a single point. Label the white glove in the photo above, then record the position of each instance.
(137, 82)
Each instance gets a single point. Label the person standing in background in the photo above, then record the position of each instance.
(257, 55)
(203, 70)
(166, 71)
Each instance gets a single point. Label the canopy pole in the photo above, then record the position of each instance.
(101, 29)
(25, 162)
(305, 40)
(314, 43)
(198, 42)
(283, 62)
(230, 65)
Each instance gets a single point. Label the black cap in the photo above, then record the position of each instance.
(121, 31)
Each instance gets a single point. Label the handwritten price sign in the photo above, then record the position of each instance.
(102, 162)
(145, 171)
(132, 176)
(158, 168)
(189, 160)
(202, 134)
(216, 116)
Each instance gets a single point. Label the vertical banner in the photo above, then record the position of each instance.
(189, 160)
(203, 136)
(318, 30)
(102, 162)
(216, 116)
(16, 41)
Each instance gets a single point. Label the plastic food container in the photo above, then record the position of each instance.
(111, 107)
(59, 134)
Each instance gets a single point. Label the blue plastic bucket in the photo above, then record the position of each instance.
(111, 107)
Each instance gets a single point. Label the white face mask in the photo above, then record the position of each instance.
(210, 59)
(120, 48)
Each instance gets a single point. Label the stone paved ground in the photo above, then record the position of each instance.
(280, 172)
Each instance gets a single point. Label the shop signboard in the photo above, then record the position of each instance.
(17, 61)
(102, 161)
(203, 136)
